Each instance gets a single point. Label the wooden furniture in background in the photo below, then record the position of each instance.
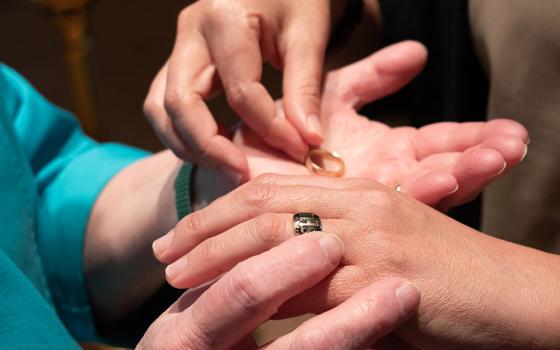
(69, 18)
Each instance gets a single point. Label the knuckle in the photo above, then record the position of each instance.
(248, 291)
(209, 250)
(258, 196)
(176, 101)
(270, 229)
(317, 338)
(172, 101)
(193, 224)
(376, 199)
(156, 337)
(193, 338)
(150, 107)
(309, 87)
(238, 94)
(267, 178)
(186, 16)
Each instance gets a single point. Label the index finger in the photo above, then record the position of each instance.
(236, 53)
(190, 81)
(254, 290)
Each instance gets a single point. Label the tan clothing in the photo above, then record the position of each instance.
(518, 42)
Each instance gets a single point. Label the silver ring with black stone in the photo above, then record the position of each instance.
(306, 222)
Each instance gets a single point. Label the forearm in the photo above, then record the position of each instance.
(135, 208)
(502, 296)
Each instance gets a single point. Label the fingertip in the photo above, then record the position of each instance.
(404, 57)
(333, 247)
(512, 148)
(408, 296)
(304, 119)
(481, 162)
(508, 127)
(431, 188)
(160, 247)
(315, 133)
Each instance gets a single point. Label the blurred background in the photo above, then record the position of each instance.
(96, 58)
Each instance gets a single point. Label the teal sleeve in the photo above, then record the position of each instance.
(70, 171)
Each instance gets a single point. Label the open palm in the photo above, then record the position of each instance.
(443, 164)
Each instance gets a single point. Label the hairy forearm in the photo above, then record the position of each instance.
(135, 208)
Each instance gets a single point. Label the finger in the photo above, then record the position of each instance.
(189, 82)
(366, 317)
(376, 76)
(473, 171)
(245, 204)
(512, 148)
(430, 187)
(302, 76)
(457, 137)
(236, 53)
(254, 289)
(155, 113)
(220, 253)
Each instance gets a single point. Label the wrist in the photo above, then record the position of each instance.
(495, 295)
(208, 185)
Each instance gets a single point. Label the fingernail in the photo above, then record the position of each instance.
(161, 244)
(455, 189)
(502, 169)
(332, 247)
(408, 296)
(524, 153)
(174, 270)
(314, 125)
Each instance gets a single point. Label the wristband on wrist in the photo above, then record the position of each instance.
(184, 190)
(346, 25)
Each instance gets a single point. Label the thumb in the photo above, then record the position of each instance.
(376, 76)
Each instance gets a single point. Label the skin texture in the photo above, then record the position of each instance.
(222, 44)
(221, 316)
(479, 292)
(136, 207)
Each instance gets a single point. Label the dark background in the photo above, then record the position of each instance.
(129, 41)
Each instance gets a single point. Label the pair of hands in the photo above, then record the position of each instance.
(443, 165)
(475, 288)
(223, 315)
(222, 44)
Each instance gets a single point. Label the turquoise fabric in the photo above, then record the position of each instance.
(50, 177)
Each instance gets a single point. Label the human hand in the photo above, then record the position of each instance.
(223, 43)
(476, 288)
(442, 164)
(223, 315)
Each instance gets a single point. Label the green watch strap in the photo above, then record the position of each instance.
(183, 190)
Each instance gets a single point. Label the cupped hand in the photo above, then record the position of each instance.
(442, 164)
(223, 315)
(223, 44)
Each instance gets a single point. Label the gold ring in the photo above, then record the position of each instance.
(325, 163)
